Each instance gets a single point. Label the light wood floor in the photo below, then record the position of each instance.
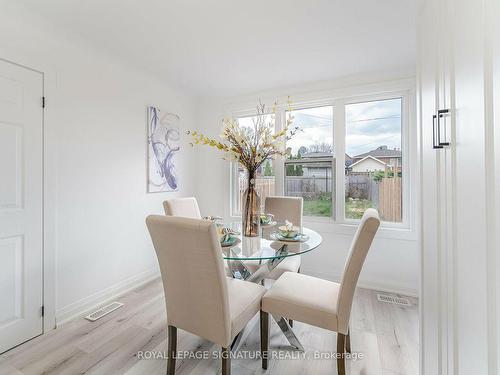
(386, 334)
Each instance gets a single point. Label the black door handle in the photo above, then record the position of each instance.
(434, 135)
(440, 114)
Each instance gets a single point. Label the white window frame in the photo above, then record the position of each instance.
(309, 105)
(405, 115)
(404, 229)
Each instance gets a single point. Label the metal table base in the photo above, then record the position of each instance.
(238, 270)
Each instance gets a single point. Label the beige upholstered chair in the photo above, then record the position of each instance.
(199, 297)
(319, 302)
(183, 207)
(285, 208)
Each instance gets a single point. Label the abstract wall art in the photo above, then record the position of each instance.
(163, 150)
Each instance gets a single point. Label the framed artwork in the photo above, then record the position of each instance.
(163, 150)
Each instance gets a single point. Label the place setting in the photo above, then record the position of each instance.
(289, 233)
(267, 221)
(228, 237)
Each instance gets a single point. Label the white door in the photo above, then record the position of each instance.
(21, 197)
(457, 188)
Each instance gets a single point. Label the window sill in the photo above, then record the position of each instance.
(328, 225)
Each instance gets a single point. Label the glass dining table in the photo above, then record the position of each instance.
(253, 258)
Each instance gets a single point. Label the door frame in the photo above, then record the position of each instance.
(49, 188)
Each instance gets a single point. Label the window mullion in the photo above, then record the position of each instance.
(279, 163)
(339, 154)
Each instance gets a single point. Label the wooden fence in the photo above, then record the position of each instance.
(390, 199)
(386, 195)
(309, 187)
(361, 185)
(265, 186)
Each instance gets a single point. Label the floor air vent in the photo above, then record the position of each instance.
(394, 300)
(105, 310)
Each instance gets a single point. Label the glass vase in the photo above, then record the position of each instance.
(251, 209)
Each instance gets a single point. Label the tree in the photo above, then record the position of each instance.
(294, 169)
(298, 168)
(302, 150)
(268, 171)
(321, 147)
(379, 175)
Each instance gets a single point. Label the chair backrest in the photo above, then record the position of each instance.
(357, 255)
(285, 208)
(194, 280)
(183, 207)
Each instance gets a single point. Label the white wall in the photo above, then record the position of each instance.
(393, 262)
(95, 160)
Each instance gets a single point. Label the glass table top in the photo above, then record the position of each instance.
(267, 247)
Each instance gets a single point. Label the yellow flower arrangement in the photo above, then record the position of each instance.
(251, 146)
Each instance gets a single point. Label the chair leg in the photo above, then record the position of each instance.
(348, 342)
(226, 361)
(264, 338)
(340, 353)
(290, 321)
(172, 349)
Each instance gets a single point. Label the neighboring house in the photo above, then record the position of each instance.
(348, 161)
(368, 164)
(317, 164)
(382, 153)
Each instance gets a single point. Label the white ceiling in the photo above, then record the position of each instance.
(230, 47)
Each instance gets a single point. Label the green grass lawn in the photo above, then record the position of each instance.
(354, 208)
(318, 207)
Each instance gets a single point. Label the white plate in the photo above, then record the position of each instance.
(233, 242)
(299, 238)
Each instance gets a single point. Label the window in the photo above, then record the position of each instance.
(309, 168)
(374, 160)
(350, 155)
(265, 181)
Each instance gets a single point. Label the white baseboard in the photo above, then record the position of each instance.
(85, 305)
(381, 286)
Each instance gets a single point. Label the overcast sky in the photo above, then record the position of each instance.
(368, 126)
(316, 127)
(373, 124)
